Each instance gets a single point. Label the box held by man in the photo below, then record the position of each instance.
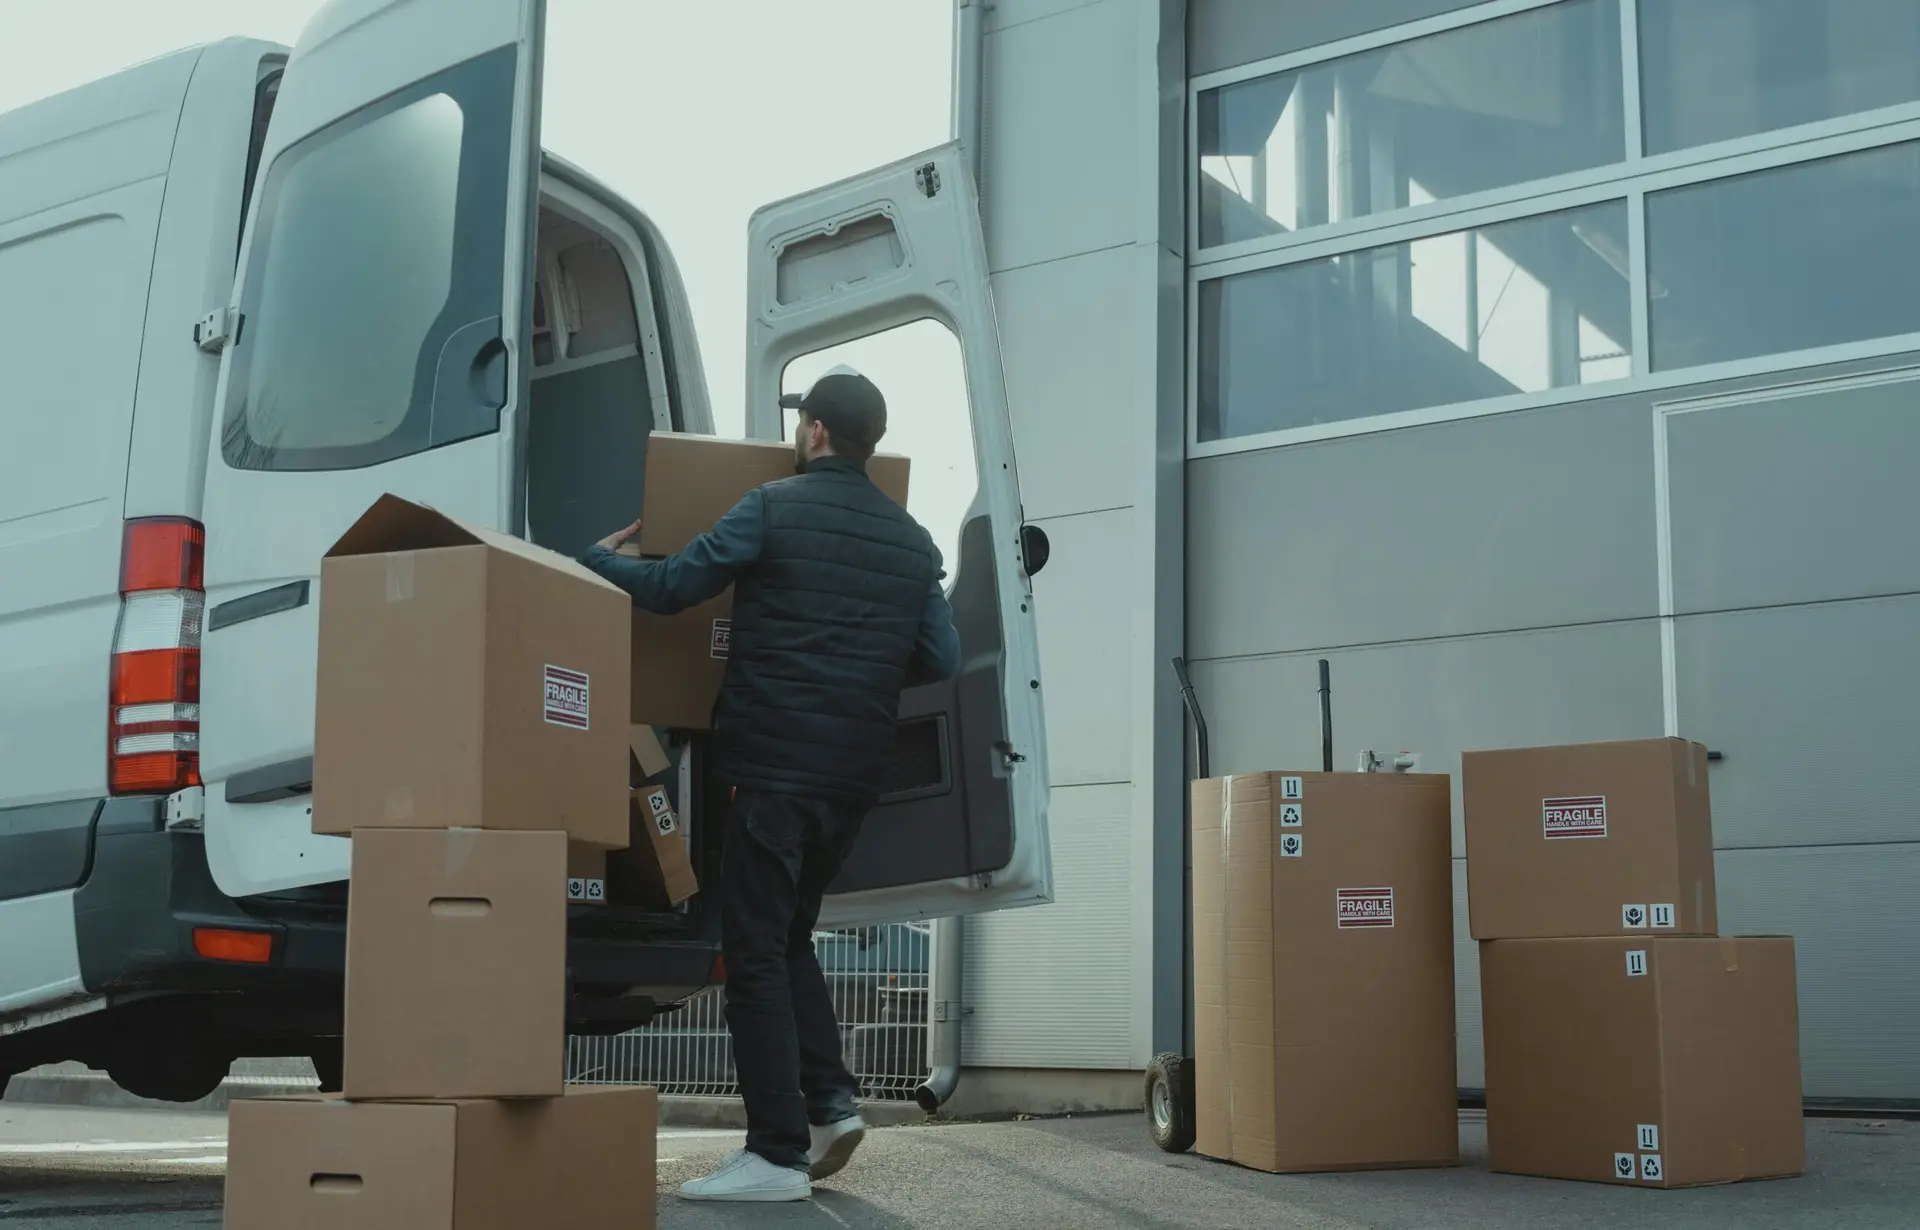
(691, 482)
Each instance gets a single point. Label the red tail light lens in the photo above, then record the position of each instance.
(163, 553)
(153, 716)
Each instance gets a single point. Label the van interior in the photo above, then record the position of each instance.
(593, 402)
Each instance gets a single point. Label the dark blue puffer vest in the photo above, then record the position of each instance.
(823, 628)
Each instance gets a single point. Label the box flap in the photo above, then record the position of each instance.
(395, 524)
(647, 751)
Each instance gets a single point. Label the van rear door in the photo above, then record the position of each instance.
(376, 344)
(964, 826)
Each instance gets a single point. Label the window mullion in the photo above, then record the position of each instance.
(1630, 78)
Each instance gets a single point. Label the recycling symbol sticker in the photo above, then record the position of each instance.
(1290, 846)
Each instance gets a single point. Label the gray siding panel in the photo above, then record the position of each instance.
(1437, 698)
(1813, 708)
(1229, 33)
(1796, 499)
(1854, 916)
(1527, 520)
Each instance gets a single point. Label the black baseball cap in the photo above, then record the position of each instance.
(847, 403)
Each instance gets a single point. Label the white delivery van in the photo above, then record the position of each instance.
(244, 291)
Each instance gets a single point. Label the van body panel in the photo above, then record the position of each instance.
(965, 830)
(82, 177)
(381, 306)
(46, 970)
(193, 266)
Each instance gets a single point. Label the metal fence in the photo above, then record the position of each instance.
(878, 978)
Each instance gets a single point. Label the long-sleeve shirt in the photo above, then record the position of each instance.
(714, 560)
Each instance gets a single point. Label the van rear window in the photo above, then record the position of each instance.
(371, 306)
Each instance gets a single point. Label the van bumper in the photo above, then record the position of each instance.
(148, 890)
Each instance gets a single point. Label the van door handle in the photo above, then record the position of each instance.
(470, 382)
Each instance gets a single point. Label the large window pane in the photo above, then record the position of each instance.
(374, 286)
(1485, 106)
(1517, 307)
(1716, 69)
(1803, 256)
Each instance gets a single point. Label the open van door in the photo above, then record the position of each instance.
(375, 343)
(963, 826)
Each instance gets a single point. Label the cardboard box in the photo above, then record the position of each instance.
(655, 869)
(1654, 1061)
(691, 482)
(586, 874)
(584, 1161)
(467, 679)
(1593, 839)
(647, 752)
(456, 965)
(1323, 971)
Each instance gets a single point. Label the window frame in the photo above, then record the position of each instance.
(1632, 179)
(465, 84)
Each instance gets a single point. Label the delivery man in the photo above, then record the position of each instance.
(837, 607)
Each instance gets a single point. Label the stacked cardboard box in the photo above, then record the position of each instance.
(1626, 1041)
(471, 727)
(1323, 971)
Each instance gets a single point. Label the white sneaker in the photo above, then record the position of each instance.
(747, 1176)
(833, 1146)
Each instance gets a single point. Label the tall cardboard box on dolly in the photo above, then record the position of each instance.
(1323, 971)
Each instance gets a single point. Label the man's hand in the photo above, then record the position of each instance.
(617, 539)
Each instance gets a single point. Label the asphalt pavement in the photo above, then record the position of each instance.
(85, 1169)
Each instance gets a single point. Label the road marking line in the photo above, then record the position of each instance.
(117, 1146)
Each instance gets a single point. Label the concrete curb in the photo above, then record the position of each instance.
(95, 1090)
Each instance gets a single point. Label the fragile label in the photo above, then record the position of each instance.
(1633, 916)
(721, 642)
(1636, 963)
(1290, 846)
(1290, 788)
(566, 698)
(1290, 816)
(1623, 1167)
(1581, 817)
(580, 888)
(1662, 916)
(1363, 907)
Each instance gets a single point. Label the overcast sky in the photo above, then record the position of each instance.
(697, 111)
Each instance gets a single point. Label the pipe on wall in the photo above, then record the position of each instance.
(946, 1003)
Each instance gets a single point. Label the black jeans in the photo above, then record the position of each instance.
(781, 852)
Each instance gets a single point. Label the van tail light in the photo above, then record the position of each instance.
(153, 719)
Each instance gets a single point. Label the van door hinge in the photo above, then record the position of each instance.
(187, 809)
(213, 331)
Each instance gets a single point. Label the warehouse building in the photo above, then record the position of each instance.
(1548, 366)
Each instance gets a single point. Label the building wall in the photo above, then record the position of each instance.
(1494, 582)
(1722, 556)
(1719, 554)
(1080, 191)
